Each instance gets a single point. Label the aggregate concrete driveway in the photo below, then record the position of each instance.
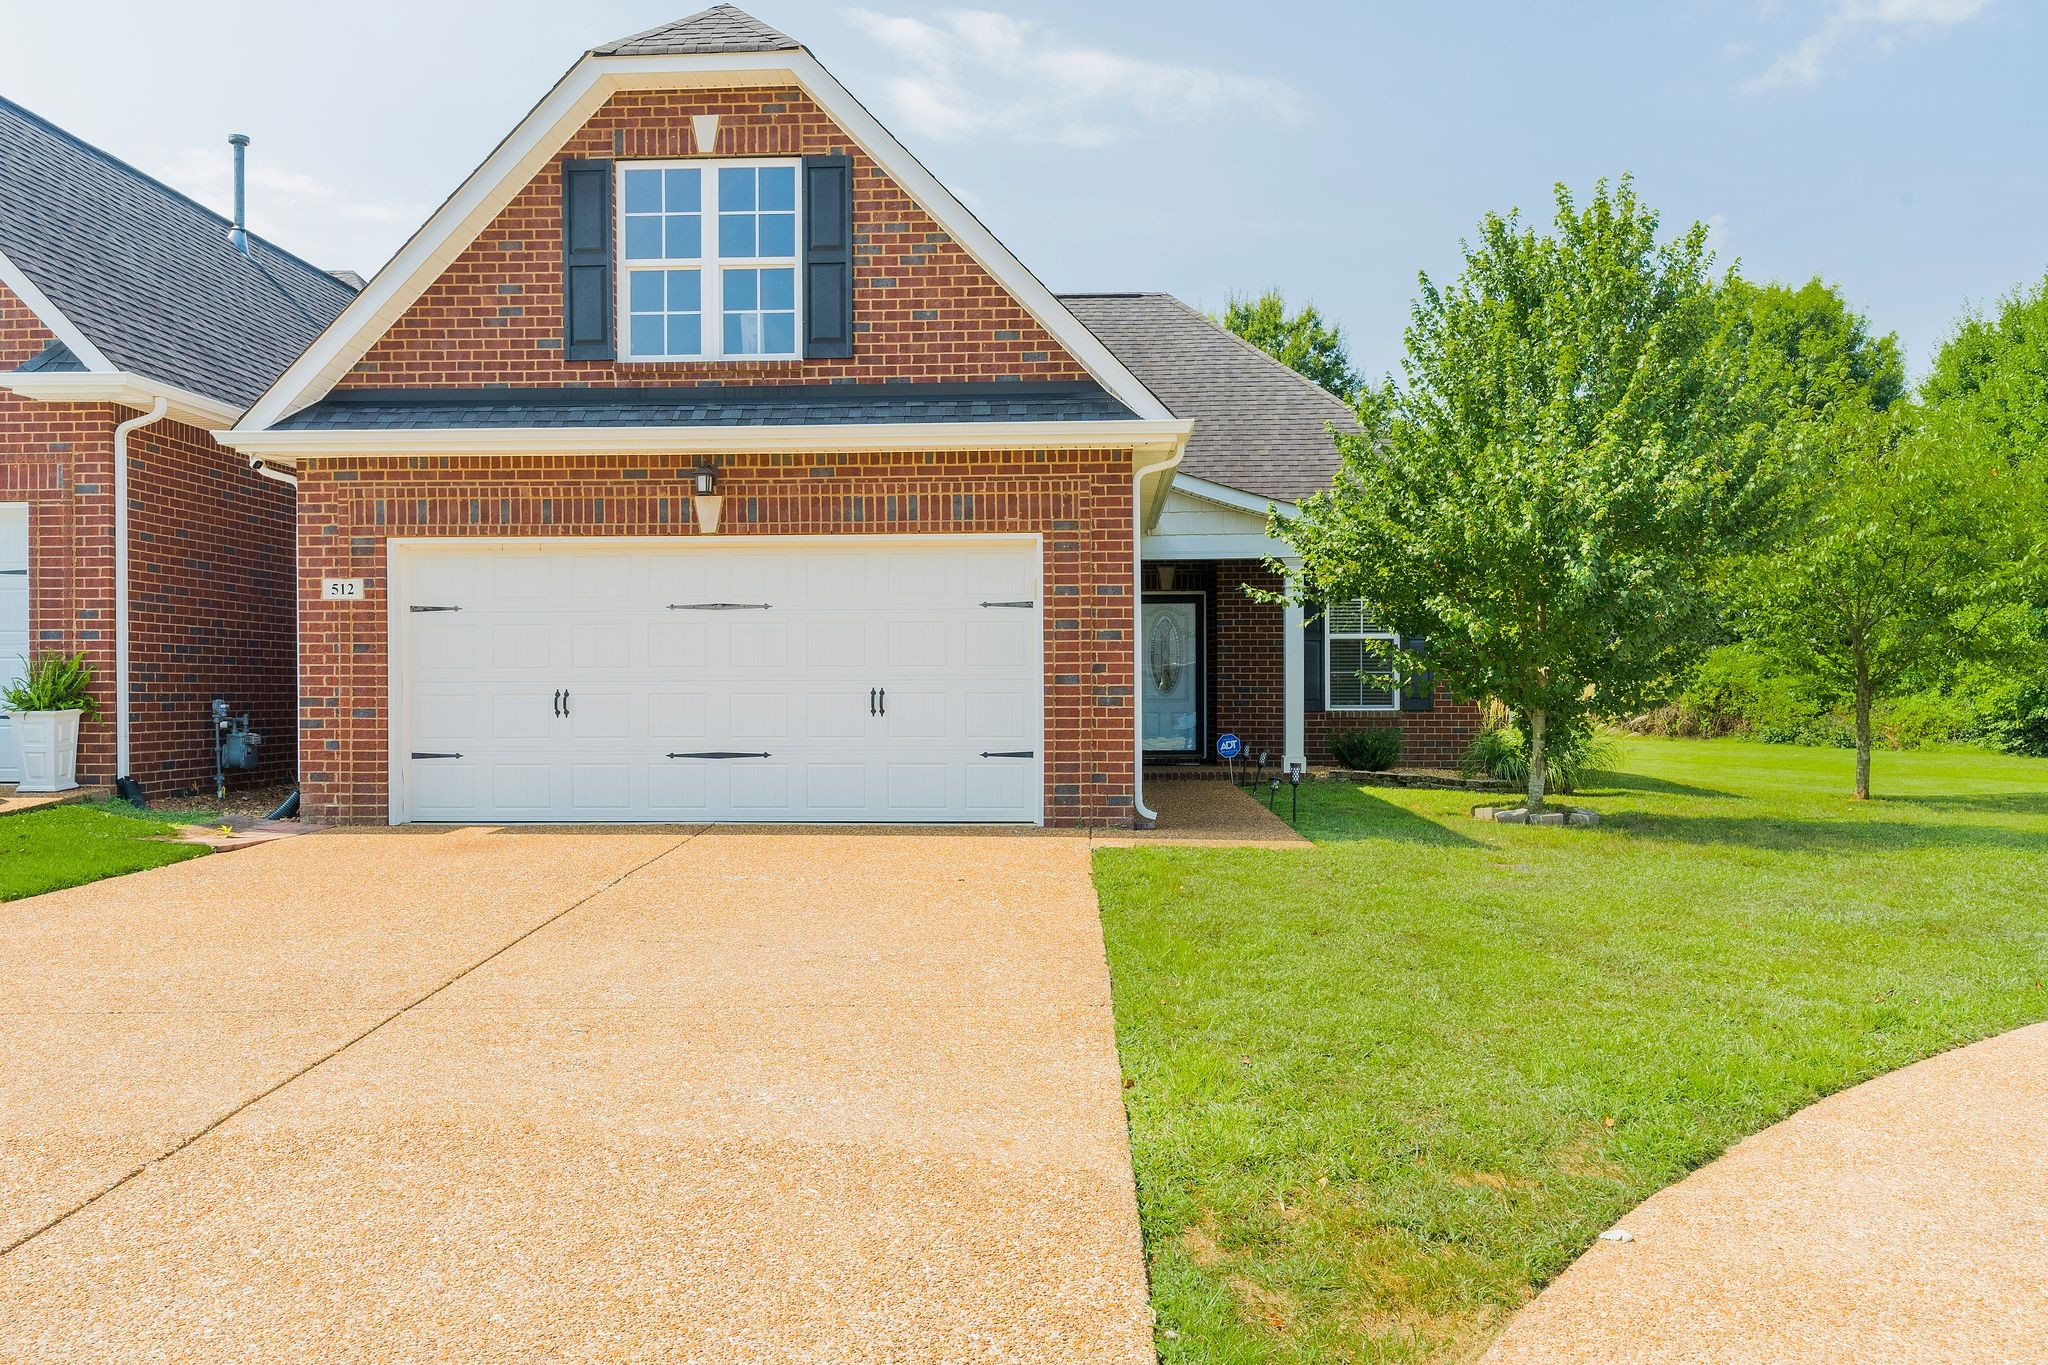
(489, 1095)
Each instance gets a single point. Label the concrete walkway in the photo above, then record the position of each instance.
(655, 1094)
(1903, 1220)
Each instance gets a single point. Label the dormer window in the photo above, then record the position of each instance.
(710, 260)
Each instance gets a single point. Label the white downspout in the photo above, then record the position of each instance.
(155, 414)
(1139, 474)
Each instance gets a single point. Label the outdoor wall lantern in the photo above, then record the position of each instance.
(709, 502)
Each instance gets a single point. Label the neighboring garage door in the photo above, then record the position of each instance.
(13, 619)
(824, 679)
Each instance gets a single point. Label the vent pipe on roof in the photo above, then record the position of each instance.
(238, 235)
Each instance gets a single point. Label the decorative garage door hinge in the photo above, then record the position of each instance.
(419, 755)
(720, 753)
(4, 573)
(433, 608)
(1009, 753)
(718, 606)
(1027, 604)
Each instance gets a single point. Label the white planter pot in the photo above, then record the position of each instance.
(49, 749)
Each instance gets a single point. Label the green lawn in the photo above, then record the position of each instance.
(1383, 1090)
(60, 846)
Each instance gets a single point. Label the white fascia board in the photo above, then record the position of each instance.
(289, 447)
(47, 313)
(128, 390)
(567, 107)
(1235, 498)
(1241, 546)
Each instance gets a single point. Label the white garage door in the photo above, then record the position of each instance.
(827, 679)
(13, 620)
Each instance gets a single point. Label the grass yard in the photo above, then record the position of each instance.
(59, 846)
(1385, 1089)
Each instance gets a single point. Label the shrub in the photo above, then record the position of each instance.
(53, 683)
(1501, 751)
(1372, 751)
(2015, 717)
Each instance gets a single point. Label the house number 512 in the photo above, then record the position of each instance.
(341, 589)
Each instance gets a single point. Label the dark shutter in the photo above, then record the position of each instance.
(1315, 674)
(1418, 693)
(828, 257)
(587, 301)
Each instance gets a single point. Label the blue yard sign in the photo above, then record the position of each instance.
(1228, 746)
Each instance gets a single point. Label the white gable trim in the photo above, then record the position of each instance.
(47, 313)
(1236, 498)
(566, 108)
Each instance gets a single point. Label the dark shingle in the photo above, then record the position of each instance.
(722, 28)
(1259, 427)
(707, 406)
(54, 358)
(148, 275)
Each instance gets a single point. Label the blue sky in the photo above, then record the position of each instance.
(1896, 147)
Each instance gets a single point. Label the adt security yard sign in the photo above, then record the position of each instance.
(1229, 746)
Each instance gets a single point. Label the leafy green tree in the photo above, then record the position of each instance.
(1302, 341)
(1545, 498)
(1992, 373)
(1807, 350)
(1912, 560)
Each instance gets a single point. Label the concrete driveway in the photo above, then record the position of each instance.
(490, 1095)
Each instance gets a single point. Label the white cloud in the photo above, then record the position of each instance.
(978, 73)
(307, 216)
(1889, 22)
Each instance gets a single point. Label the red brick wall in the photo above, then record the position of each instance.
(1080, 501)
(924, 310)
(1246, 683)
(212, 592)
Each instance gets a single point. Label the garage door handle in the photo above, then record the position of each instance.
(565, 701)
(558, 703)
(721, 753)
(871, 701)
(885, 702)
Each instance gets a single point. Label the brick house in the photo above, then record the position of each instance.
(704, 458)
(131, 327)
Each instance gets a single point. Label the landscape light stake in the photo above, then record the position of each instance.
(1294, 795)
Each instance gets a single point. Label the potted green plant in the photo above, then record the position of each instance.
(46, 704)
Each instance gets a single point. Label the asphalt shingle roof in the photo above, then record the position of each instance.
(1259, 427)
(722, 28)
(706, 406)
(148, 275)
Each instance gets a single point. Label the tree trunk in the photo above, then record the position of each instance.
(1537, 770)
(1862, 733)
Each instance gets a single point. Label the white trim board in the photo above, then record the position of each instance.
(565, 109)
(128, 390)
(289, 447)
(48, 314)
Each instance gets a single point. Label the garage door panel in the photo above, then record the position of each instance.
(778, 649)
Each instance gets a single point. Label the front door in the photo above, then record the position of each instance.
(1170, 685)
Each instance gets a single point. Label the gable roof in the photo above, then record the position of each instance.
(141, 279)
(722, 28)
(722, 45)
(1259, 427)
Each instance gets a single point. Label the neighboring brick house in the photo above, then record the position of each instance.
(703, 458)
(130, 328)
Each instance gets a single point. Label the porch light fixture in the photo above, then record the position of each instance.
(708, 501)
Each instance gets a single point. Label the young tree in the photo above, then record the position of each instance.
(1912, 559)
(1573, 449)
(1301, 341)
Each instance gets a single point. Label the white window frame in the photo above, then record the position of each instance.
(1367, 631)
(710, 266)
